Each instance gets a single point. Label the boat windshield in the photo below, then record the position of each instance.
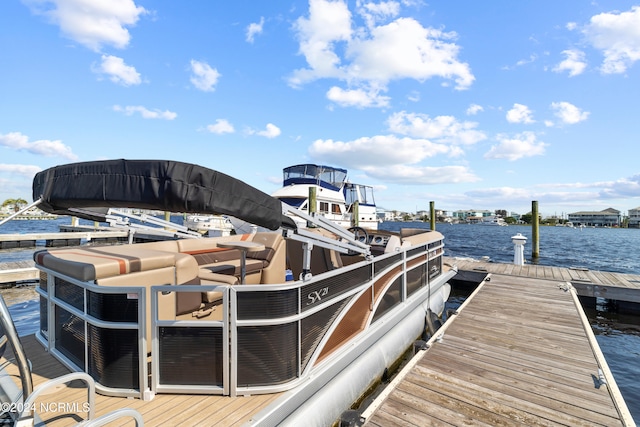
(363, 194)
(314, 173)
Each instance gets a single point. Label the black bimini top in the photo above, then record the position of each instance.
(77, 189)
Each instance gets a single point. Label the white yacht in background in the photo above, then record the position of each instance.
(336, 196)
(493, 220)
(212, 225)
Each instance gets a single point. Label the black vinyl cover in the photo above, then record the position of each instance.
(75, 189)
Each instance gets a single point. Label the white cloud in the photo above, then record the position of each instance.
(328, 24)
(369, 57)
(270, 132)
(378, 12)
(574, 63)
(441, 129)
(569, 113)
(43, 147)
(220, 127)
(517, 147)
(253, 29)
(204, 77)
(118, 72)
(425, 175)
(617, 35)
(414, 96)
(520, 114)
(129, 110)
(622, 188)
(474, 109)
(24, 170)
(357, 98)
(405, 49)
(90, 23)
(380, 150)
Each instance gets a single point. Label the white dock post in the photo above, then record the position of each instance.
(518, 246)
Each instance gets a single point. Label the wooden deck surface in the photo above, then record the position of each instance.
(163, 410)
(618, 286)
(516, 354)
(18, 271)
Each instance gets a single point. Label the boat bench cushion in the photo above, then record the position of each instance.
(87, 264)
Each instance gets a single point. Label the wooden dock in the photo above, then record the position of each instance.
(519, 351)
(616, 286)
(10, 241)
(16, 272)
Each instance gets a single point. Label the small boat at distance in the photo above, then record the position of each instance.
(343, 202)
(301, 321)
(494, 220)
(212, 225)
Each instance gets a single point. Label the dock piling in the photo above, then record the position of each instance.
(535, 228)
(432, 215)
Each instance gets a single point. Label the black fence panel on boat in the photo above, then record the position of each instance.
(44, 282)
(44, 311)
(417, 250)
(113, 357)
(191, 355)
(435, 244)
(314, 327)
(435, 267)
(390, 299)
(69, 293)
(44, 318)
(69, 335)
(267, 304)
(416, 278)
(112, 307)
(326, 289)
(381, 265)
(267, 355)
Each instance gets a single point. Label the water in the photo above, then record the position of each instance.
(614, 250)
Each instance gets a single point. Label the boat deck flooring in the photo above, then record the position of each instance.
(163, 410)
(516, 353)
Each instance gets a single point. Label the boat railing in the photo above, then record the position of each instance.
(100, 330)
(269, 338)
(260, 338)
(190, 355)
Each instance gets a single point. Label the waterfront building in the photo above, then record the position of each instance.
(606, 218)
(471, 215)
(634, 218)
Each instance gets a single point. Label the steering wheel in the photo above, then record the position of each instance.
(360, 234)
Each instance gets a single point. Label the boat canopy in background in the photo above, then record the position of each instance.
(77, 189)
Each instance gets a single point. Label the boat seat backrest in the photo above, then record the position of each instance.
(273, 257)
(322, 259)
(87, 264)
(270, 242)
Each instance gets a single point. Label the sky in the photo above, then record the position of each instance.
(472, 105)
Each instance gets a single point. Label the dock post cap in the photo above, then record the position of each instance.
(519, 239)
